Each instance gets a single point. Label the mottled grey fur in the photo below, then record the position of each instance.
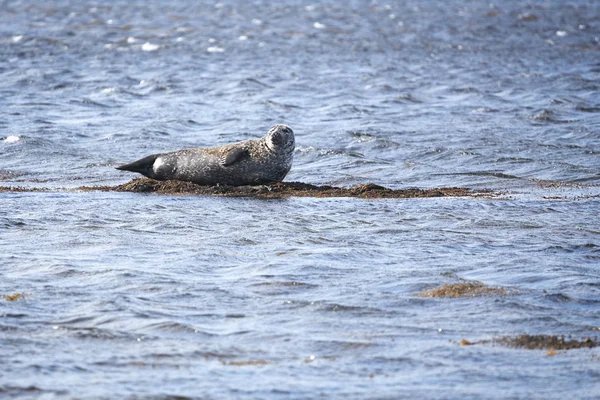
(250, 162)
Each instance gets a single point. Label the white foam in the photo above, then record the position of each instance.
(131, 39)
(17, 38)
(12, 139)
(319, 25)
(150, 47)
(215, 49)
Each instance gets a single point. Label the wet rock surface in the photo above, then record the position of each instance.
(282, 190)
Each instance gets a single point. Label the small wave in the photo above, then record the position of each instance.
(515, 160)
(254, 82)
(405, 98)
(563, 298)
(486, 173)
(335, 307)
(15, 391)
(135, 94)
(84, 332)
(588, 109)
(287, 284)
(281, 105)
(548, 116)
(319, 151)
(215, 49)
(587, 247)
(172, 326)
(347, 345)
(235, 316)
(558, 298)
(89, 103)
(483, 110)
(43, 121)
(12, 223)
(11, 139)
(186, 123)
(150, 46)
(38, 104)
(466, 89)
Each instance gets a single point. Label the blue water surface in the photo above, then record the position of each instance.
(133, 296)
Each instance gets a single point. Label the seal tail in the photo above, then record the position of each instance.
(143, 166)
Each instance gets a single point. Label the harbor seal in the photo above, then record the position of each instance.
(251, 162)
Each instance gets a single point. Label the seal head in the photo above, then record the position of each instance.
(250, 162)
(280, 138)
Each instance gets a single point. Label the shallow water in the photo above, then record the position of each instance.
(136, 296)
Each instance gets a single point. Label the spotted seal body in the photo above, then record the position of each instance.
(250, 162)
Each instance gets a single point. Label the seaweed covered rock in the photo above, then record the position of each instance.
(279, 190)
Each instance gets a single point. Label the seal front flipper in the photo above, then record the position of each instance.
(234, 155)
(143, 166)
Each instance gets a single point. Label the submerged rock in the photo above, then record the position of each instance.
(538, 342)
(464, 289)
(554, 342)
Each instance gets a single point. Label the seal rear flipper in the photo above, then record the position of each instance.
(144, 166)
(234, 155)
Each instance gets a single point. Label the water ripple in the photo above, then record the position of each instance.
(151, 296)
